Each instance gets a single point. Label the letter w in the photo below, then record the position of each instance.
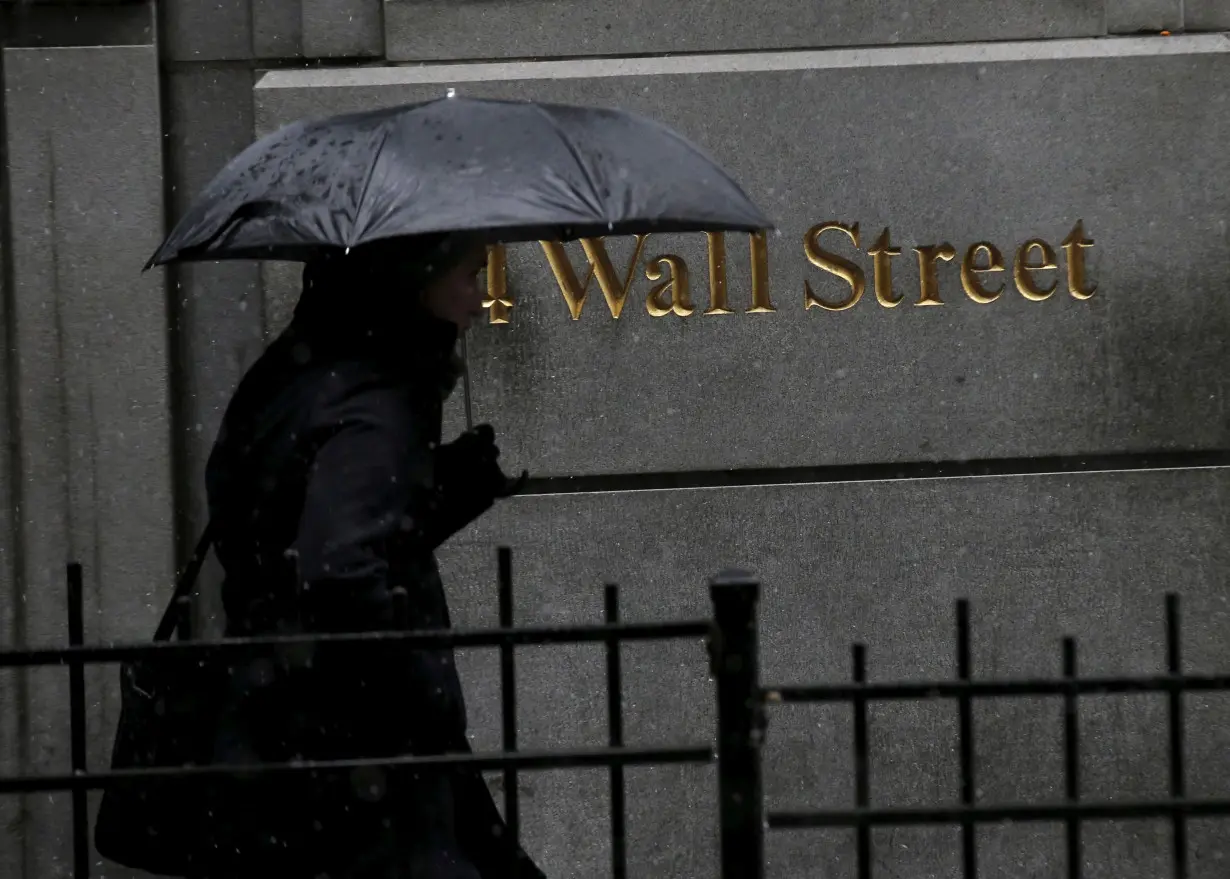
(614, 288)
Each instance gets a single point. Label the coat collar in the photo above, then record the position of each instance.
(368, 312)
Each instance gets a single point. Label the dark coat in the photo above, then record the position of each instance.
(328, 451)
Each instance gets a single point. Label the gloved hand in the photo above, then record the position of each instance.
(468, 482)
(469, 466)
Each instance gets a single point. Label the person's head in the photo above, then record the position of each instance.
(451, 291)
(376, 287)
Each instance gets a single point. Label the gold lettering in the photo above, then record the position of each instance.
(834, 265)
(881, 252)
(1074, 251)
(574, 291)
(498, 298)
(1022, 271)
(761, 304)
(670, 276)
(717, 274)
(970, 270)
(614, 289)
(677, 283)
(928, 279)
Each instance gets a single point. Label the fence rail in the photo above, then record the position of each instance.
(510, 760)
(967, 814)
(744, 709)
(239, 648)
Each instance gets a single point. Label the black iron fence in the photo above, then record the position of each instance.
(732, 597)
(1073, 812)
(731, 633)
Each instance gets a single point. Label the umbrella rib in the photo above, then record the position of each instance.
(703, 153)
(576, 156)
(371, 172)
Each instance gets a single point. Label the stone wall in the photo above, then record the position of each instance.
(800, 439)
(1114, 352)
(87, 414)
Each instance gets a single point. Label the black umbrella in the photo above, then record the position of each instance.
(518, 171)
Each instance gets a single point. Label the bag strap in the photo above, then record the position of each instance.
(184, 584)
(187, 578)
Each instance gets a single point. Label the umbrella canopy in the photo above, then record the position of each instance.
(518, 171)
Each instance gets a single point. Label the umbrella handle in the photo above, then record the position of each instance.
(465, 381)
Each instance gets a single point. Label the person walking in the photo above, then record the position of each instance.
(330, 488)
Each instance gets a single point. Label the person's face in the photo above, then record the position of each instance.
(456, 295)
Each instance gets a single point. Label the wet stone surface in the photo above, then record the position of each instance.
(423, 30)
(1039, 558)
(895, 189)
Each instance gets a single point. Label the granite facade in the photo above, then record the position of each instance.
(87, 414)
(947, 122)
(1136, 16)
(1207, 15)
(433, 30)
(1039, 558)
(12, 694)
(229, 30)
(940, 148)
(216, 309)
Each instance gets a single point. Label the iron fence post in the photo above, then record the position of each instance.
(734, 653)
(76, 711)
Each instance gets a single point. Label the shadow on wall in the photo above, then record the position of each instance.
(28, 25)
